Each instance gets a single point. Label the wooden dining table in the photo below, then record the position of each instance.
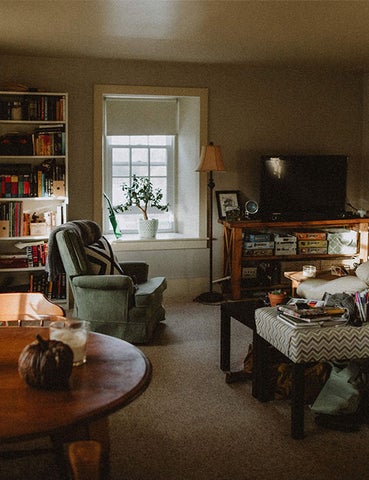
(115, 374)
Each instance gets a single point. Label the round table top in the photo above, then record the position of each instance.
(115, 373)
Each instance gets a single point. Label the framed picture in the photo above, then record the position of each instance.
(227, 201)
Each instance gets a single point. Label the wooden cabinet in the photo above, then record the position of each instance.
(234, 260)
(33, 187)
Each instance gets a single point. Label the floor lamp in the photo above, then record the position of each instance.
(210, 161)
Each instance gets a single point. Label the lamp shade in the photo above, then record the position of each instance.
(211, 159)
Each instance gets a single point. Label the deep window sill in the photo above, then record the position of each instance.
(163, 241)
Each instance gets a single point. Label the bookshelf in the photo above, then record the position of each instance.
(236, 260)
(33, 187)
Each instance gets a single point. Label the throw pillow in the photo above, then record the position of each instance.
(362, 272)
(102, 259)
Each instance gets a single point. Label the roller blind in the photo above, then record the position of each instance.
(141, 116)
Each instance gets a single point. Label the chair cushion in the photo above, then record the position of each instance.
(101, 258)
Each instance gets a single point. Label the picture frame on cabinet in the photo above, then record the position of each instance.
(227, 201)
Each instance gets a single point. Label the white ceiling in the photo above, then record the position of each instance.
(333, 34)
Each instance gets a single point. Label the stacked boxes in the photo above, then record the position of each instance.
(258, 244)
(285, 244)
(312, 242)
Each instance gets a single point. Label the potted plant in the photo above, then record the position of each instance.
(277, 296)
(141, 194)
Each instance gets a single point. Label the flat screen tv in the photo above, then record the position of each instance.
(303, 187)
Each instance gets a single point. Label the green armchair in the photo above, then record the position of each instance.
(117, 298)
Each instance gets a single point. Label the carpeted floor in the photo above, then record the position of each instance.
(190, 425)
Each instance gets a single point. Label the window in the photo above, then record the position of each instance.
(144, 156)
(155, 132)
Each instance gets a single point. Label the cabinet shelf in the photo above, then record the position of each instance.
(298, 256)
(31, 157)
(22, 269)
(234, 260)
(32, 122)
(36, 199)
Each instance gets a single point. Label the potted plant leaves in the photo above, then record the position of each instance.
(142, 194)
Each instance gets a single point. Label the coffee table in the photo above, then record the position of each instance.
(114, 375)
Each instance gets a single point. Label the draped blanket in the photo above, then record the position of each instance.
(88, 231)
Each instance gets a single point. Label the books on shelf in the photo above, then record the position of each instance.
(33, 107)
(312, 246)
(26, 180)
(57, 290)
(49, 140)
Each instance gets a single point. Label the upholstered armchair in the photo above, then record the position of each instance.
(117, 298)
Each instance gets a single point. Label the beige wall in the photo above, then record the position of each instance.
(251, 111)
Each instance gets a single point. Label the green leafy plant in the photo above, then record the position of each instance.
(142, 195)
(278, 291)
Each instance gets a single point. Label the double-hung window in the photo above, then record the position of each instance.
(149, 156)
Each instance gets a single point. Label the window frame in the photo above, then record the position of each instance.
(170, 178)
(100, 92)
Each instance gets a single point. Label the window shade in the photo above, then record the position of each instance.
(138, 116)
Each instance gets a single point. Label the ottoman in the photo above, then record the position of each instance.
(301, 346)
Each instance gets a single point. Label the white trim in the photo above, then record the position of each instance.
(163, 241)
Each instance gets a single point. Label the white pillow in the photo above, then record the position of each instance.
(362, 272)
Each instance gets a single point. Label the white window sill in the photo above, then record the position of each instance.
(163, 241)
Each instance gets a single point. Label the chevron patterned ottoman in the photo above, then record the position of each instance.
(301, 346)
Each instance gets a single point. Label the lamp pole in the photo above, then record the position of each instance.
(211, 186)
(210, 161)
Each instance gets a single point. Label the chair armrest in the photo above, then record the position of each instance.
(104, 282)
(139, 271)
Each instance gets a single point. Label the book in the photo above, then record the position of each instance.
(258, 252)
(313, 250)
(310, 235)
(298, 323)
(258, 245)
(279, 238)
(258, 237)
(309, 314)
(313, 243)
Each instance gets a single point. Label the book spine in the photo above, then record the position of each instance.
(313, 243)
(258, 252)
(310, 235)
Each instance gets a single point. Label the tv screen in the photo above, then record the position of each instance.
(303, 187)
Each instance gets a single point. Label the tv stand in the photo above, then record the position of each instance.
(234, 261)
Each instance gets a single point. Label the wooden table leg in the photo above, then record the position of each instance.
(85, 459)
(225, 341)
(99, 431)
(297, 401)
(261, 382)
(95, 430)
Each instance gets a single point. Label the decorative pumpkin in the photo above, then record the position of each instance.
(46, 364)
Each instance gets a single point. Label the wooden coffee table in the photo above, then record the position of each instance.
(114, 375)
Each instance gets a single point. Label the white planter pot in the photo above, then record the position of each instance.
(148, 228)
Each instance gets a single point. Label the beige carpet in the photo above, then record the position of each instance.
(190, 425)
